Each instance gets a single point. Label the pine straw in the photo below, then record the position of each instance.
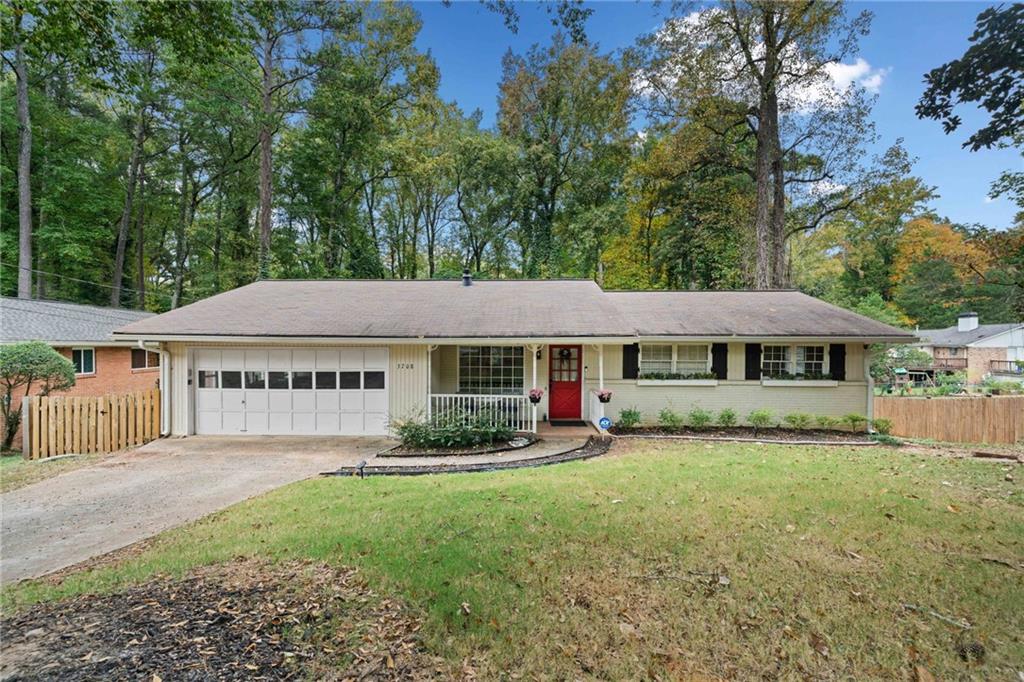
(243, 620)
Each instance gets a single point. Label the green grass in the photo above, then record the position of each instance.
(17, 472)
(609, 568)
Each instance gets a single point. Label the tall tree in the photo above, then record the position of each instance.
(80, 32)
(764, 68)
(990, 73)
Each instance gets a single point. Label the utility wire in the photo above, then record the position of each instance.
(96, 284)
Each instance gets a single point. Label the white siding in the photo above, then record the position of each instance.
(408, 393)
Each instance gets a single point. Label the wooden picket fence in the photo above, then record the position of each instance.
(59, 425)
(996, 419)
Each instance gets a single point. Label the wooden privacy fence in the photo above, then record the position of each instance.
(58, 425)
(998, 419)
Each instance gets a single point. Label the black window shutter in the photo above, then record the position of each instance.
(720, 360)
(837, 361)
(753, 361)
(631, 361)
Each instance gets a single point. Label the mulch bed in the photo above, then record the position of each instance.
(244, 620)
(517, 443)
(594, 447)
(769, 435)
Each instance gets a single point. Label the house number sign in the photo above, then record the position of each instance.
(405, 365)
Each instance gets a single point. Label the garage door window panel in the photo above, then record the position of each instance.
(350, 381)
(278, 381)
(231, 379)
(326, 381)
(255, 380)
(302, 380)
(373, 380)
(208, 379)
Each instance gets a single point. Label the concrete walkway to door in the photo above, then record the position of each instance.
(90, 511)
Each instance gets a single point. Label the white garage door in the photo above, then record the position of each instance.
(291, 391)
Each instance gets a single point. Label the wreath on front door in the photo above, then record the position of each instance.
(564, 353)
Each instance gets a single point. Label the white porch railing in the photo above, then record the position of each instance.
(596, 410)
(515, 410)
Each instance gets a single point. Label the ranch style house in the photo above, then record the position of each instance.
(349, 357)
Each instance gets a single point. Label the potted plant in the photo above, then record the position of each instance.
(536, 394)
(604, 395)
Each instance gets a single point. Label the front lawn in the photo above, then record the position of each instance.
(17, 472)
(662, 560)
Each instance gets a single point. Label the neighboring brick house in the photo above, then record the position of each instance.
(82, 333)
(979, 350)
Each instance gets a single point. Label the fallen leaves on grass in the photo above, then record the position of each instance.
(245, 620)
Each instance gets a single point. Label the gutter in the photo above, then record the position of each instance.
(165, 385)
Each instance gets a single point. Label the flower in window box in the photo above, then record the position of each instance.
(604, 395)
(536, 394)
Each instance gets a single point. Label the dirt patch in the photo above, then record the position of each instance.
(244, 620)
(769, 435)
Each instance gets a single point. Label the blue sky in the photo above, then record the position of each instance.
(907, 39)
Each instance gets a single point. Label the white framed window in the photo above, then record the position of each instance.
(84, 360)
(774, 360)
(491, 370)
(810, 360)
(655, 358)
(782, 360)
(682, 359)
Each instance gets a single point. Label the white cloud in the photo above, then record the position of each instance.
(989, 200)
(860, 73)
(804, 91)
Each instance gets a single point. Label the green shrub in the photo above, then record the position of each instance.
(798, 420)
(699, 419)
(669, 418)
(454, 429)
(760, 419)
(727, 418)
(883, 426)
(669, 376)
(629, 417)
(25, 366)
(854, 421)
(826, 422)
(886, 439)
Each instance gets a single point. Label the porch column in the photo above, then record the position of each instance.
(533, 348)
(600, 367)
(870, 380)
(430, 379)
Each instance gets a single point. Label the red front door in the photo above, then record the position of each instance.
(565, 376)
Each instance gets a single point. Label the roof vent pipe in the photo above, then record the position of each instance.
(467, 279)
(967, 322)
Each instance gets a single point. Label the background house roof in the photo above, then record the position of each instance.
(743, 313)
(951, 336)
(500, 308)
(25, 319)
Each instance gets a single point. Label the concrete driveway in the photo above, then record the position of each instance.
(90, 511)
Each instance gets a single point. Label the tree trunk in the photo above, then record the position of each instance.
(266, 158)
(140, 242)
(765, 158)
(779, 277)
(24, 165)
(126, 213)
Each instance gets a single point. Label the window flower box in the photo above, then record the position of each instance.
(806, 383)
(677, 382)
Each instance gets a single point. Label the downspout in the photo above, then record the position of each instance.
(165, 386)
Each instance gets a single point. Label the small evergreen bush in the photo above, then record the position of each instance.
(699, 419)
(883, 426)
(629, 417)
(670, 419)
(727, 418)
(798, 420)
(760, 419)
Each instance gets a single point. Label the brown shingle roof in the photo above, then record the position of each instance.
(743, 313)
(500, 309)
(398, 309)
